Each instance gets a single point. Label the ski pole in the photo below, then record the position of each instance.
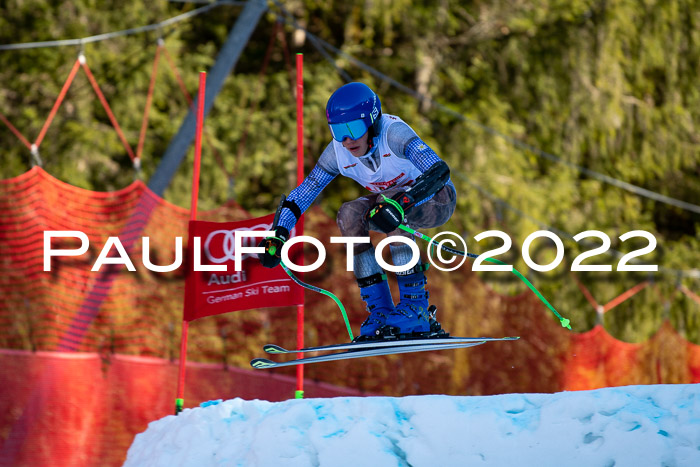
(303, 284)
(565, 323)
(324, 292)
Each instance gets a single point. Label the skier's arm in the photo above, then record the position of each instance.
(406, 143)
(302, 196)
(296, 203)
(387, 215)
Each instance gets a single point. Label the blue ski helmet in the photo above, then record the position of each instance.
(352, 110)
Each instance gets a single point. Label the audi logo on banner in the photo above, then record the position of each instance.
(219, 244)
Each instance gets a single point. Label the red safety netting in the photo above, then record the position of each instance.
(68, 406)
(77, 409)
(138, 313)
(70, 307)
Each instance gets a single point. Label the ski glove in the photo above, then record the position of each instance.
(386, 215)
(273, 248)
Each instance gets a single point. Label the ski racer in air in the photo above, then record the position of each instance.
(407, 183)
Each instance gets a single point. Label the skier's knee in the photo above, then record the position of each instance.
(351, 220)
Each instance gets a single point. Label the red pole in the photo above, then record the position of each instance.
(198, 144)
(299, 394)
(179, 402)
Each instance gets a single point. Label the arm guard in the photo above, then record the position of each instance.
(427, 184)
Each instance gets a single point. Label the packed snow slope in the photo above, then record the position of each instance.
(657, 425)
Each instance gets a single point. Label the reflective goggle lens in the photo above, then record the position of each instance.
(354, 130)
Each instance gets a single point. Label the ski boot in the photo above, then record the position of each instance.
(413, 316)
(375, 292)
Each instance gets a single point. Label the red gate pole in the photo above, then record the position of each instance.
(180, 400)
(299, 393)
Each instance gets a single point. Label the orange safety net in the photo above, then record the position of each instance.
(596, 359)
(112, 316)
(71, 307)
(75, 408)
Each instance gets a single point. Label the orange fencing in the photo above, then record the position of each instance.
(87, 359)
(75, 408)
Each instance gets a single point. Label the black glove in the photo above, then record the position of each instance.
(386, 215)
(273, 248)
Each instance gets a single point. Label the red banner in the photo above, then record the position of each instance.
(210, 293)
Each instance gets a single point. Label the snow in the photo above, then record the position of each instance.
(655, 425)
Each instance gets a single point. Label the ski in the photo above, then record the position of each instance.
(276, 349)
(264, 363)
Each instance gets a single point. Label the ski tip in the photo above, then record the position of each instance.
(272, 348)
(262, 363)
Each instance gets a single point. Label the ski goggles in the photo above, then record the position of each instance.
(353, 130)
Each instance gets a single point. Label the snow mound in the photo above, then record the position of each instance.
(657, 425)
